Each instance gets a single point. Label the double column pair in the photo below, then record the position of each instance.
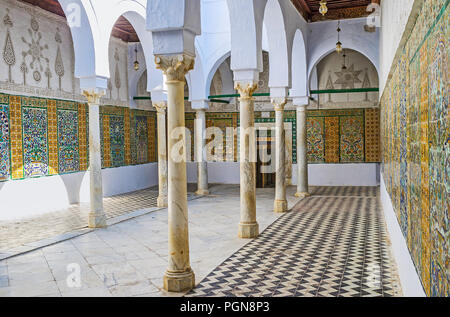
(248, 226)
(202, 173)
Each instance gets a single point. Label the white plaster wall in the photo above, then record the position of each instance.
(118, 56)
(394, 17)
(49, 25)
(322, 40)
(319, 174)
(52, 193)
(342, 174)
(411, 285)
(330, 70)
(218, 173)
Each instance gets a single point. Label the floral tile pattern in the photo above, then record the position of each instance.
(415, 145)
(43, 137)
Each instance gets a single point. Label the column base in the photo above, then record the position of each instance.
(162, 202)
(202, 192)
(302, 194)
(280, 206)
(288, 181)
(97, 220)
(248, 230)
(179, 282)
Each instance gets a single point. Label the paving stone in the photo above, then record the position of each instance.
(130, 258)
(31, 230)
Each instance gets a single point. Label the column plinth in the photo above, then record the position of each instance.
(179, 276)
(248, 230)
(248, 226)
(302, 194)
(302, 153)
(179, 281)
(162, 153)
(97, 216)
(280, 204)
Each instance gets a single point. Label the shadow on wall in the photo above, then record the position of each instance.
(34, 196)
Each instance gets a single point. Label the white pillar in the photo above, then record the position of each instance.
(162, 152)
(302, 153)
(200, 144)
(179, 275)
(248, 226)
(97, 217)
(280, 204)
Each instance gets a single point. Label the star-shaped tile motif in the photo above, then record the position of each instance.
(348, 77)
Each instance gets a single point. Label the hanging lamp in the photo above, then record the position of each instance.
(323, 7)
(136, 63)
(339, 44)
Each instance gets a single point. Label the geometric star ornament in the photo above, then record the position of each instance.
(348, 77)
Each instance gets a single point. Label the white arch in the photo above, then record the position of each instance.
(313, 76)
(213, 46)
(135, 76)
(135, 13)
(299, 66)
(246, 20)
(85, 36)
(196, 80)
(280, 61)
(353, 36)
(331, 50)
(214, 69)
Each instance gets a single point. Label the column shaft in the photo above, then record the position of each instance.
(280, 204)
(200, 144)
(248, 226)
(302, 153)
(179, 275)
(97, 217)
(162, 153)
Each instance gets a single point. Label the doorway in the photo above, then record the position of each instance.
(265, 171)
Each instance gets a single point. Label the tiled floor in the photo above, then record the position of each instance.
(331, 244)
(17, 233)
(130, 257)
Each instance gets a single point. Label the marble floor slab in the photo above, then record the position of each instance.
(129, 258)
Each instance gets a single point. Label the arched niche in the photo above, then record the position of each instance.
(354, 71)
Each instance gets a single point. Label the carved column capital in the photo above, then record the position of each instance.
(302, 108)
(279, 103)
(175, 67)
(93, 97)
(200, 111)
(160, 107)
(246, 90)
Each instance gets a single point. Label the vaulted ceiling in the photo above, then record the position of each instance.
(309, 9)
(337, 9)
(122, 29)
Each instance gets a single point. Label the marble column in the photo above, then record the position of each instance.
(97, 217)
(280, 204)
(162, 152)
(179, 276)
(302, 151)
(200, 144)
(288, 158)
(248, 227)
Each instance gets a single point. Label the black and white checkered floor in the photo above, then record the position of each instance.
(331, 244)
